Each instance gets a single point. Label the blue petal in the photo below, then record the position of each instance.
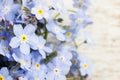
(18, 30)
(4, 71)
(47, 49)
(15, 42)
(42, 53)
(29, 29)
(25, 48)
(60, 37)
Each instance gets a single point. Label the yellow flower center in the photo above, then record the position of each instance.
(24, 38)
(37, 65)
(22, 62)
(40, 11)
(2, 77)
(37, 79)
(68, 34)
(56, 71)
(40, 46)
(85, 66)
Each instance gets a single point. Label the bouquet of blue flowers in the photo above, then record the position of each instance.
(37, 40)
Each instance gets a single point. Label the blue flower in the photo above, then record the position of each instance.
(4, 74)
(40, 11)
(80, 19)
(4, 43)
(56, 30)
(84, 4)
(70, 35)
(75, 64)
(85, 66)
(40, 43)
(63, 58)
(8, 9)
(56, 72)
(24, 38)
(38, 69)
(24, 60)
(58, 6)
(4, 49)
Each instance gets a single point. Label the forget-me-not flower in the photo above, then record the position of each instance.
(4, 74)
(56, 30)
(23, 37)
(56, 72)
(40, 43)
(40, 11)
(8, 9)
(85, 66)
(24, 60)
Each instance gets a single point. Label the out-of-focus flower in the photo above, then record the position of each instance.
(8, 9)
(83, 4)
(40, 42)
(24, 60)
(79, 20)
(56, 30)
(4, 74)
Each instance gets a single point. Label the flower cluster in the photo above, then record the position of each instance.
(36, 45)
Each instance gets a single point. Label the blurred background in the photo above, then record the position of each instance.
(105, 33)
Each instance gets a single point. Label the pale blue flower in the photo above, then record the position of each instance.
(56, 72)
(85, 66)
(4, 43)
(56, 30)
(84, 4)
(24, 38)
(38, 69)
(79, 20)
(75, 64)
(63, 57)
(4, 49)
(4, 74)
(8, 9)
(24, 60)
(40, 43)
(70, 35)
(40, 11)
(58, 6)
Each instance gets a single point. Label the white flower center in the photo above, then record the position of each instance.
(79, 20)
(6, 9)
(40, 45)
(57, 30)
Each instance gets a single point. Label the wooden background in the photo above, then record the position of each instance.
(105, 32)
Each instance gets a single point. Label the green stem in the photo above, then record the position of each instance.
(70, 78)
(81, 43)
(69, 10)
(55, 17)
(46, 34)
(46, 31)
(75, 43)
